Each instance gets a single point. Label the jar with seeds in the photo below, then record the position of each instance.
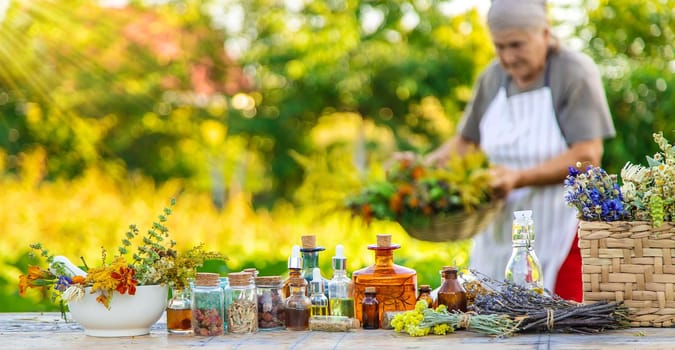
(271, 309)
(207, 305)
(242, 312)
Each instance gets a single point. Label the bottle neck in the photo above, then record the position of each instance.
(310, 260)
(293, 272)
(337, 274)
(521, 243)
(384, 257)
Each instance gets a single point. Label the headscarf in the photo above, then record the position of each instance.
(517, 14)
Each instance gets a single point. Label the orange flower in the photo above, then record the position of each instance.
(28, 281)
(396, 203)
(405, 189)
(103, 299)
(78, 279)
(417, 172)
(126, 278)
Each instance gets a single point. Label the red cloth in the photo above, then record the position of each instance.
(569, 284)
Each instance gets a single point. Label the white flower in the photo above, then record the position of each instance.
(73, 293)
(634, 173)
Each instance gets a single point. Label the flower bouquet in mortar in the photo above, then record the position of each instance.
(131, 286)
(438, 202)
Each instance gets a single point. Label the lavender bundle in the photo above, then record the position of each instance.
(540, 312)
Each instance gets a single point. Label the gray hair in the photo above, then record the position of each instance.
(517, 14)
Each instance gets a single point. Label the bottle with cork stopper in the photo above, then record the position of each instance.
(207, 305)
(370, 309)
(396, 285)
(294, 271)
(451, 293)
(310, 259)
(242, 313)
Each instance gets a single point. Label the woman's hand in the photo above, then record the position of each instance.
(503, 180)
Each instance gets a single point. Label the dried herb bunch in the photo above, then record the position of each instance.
(413, 191)
(541, 312)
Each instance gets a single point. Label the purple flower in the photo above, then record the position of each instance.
(595, 194)
(63, 283)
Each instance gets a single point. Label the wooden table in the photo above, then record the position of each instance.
(48, 331)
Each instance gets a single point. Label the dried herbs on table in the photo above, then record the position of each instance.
(542, 313)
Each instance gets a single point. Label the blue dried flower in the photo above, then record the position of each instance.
(595, 194)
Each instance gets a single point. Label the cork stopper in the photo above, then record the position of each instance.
(383, 241)
(425, 288)
(207, 279)
(449, 268)
(268, 281)
(449, 271)
(308, 242)
(252, 270)
(370, 290)
(240, 278)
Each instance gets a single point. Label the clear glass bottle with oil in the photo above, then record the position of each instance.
(341, 287)
(317, 298)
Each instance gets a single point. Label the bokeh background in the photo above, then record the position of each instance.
(261, 116)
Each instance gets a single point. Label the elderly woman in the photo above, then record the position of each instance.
(536, 110)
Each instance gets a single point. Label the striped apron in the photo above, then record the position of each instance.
(520, 132)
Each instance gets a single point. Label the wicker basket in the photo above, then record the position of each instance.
(631, 262)
(456, 226)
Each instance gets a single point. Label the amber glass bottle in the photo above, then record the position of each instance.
(297, 306)
(370, 309)
(451, 293)
(396, 285)
(294, 271)
(425, 294)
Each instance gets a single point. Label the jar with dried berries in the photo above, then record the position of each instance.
(207, 305)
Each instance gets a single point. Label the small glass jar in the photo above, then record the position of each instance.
(227, 300)
(370, 309)
(424, 293)
(242, 313)
(271, 309)
(207, 305)
(179, 312)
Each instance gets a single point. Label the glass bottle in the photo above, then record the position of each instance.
(317, 299)
(294, 271)
(207, 305)
(271, 309)
(242, 313)
(451, 293)
(297, 306)
(227, 299)
(424, 293)
(310, 259)
(341, 287)
(370, 309)
(523, 267)
(179, 311)
(396, 285)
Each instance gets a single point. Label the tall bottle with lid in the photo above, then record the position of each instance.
(451, 293)
(523, 267)
(242, 313)
(341, 287)
(310, 259)
(294, 271)
(396, 285)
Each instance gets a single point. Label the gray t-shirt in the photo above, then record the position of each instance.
(578, 97)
